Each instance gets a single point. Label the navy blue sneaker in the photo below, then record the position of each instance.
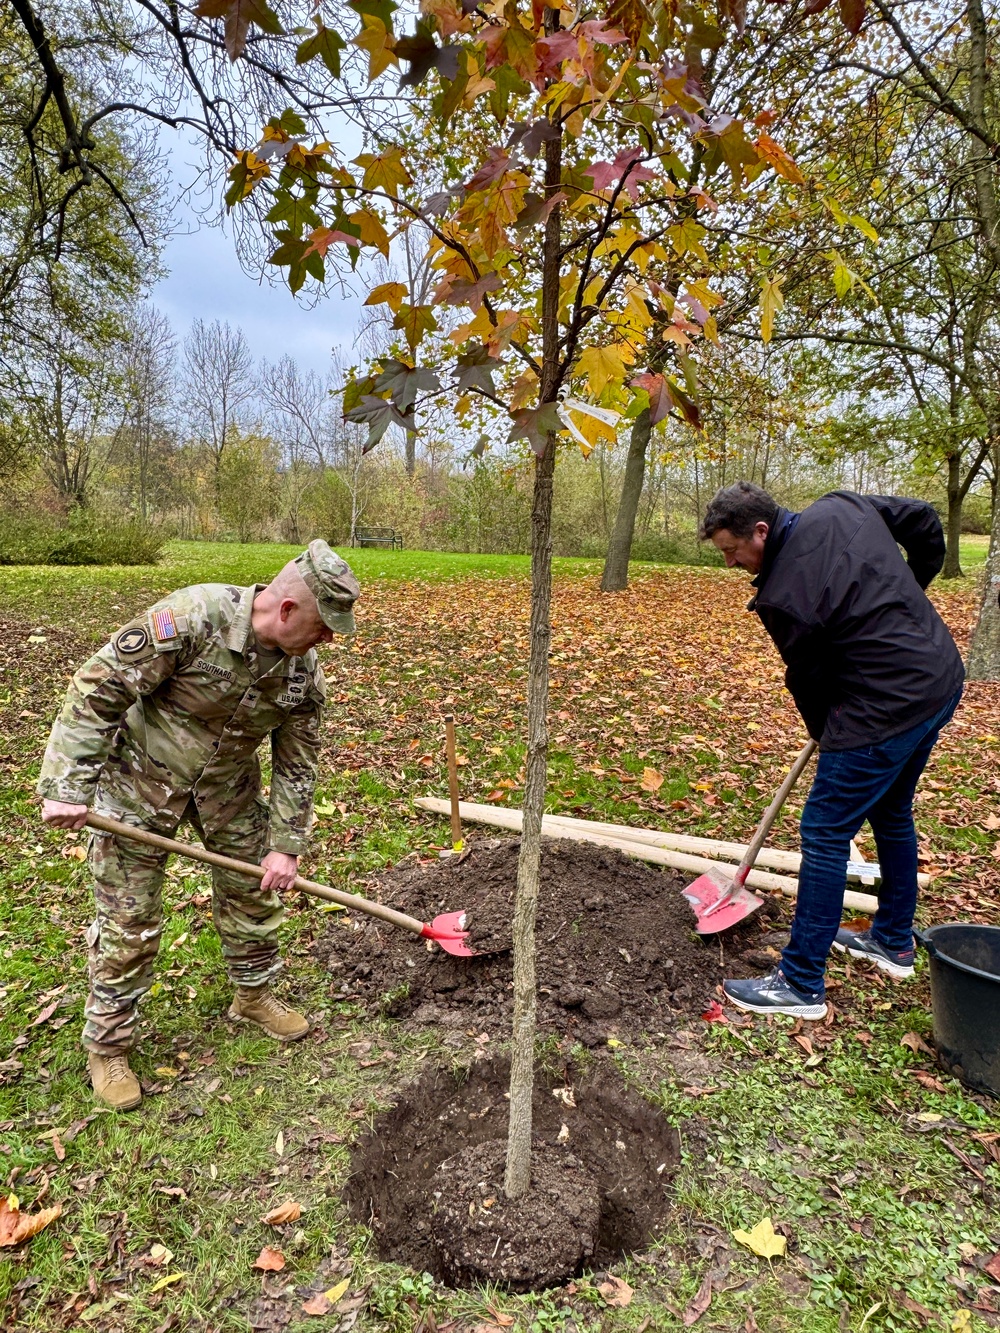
(773, 995)
(860, 944)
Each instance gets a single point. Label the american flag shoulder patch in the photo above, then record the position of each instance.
(164, 625)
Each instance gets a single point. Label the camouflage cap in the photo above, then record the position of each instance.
(331, 581)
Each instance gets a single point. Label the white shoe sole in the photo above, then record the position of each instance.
(811, 1011)
(893, 970)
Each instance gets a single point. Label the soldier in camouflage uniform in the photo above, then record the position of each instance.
(163, 725)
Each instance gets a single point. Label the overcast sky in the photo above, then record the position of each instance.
(205, 281)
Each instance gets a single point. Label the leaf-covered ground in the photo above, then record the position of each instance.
(882, 1172)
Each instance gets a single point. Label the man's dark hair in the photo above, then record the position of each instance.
(738, 509)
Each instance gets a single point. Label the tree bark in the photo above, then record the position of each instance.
(984, 652)
(517, 1176)
(411, 453)
(952, 560)
(615, 577)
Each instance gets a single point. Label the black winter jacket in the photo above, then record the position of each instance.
(867, 656)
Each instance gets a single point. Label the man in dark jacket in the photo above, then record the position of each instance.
(875, 674)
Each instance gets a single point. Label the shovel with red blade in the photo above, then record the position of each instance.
(447, 930)
(720, 901)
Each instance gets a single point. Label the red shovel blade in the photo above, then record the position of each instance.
(449, 931)
(706, 891)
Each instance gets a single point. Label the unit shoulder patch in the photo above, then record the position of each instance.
(131, 641)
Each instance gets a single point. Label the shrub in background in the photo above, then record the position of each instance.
(84, 538)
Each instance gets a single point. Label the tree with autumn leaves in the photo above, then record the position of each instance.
(572, 172)
(573, 259)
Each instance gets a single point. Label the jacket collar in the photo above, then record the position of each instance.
(238, 633)
(780, 531)
(239, 636)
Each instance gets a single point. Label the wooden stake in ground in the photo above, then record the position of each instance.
(456, 818)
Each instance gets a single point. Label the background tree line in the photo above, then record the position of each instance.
(191, 436)
(873, 368)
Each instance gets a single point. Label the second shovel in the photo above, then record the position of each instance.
(718, 901)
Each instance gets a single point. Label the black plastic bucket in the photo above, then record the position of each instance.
(965, 1000)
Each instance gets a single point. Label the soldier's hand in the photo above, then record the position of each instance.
(280, 870)
(61, 815)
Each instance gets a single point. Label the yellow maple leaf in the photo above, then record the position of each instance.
(763, 1240)
(371, 229)
(602, 366)
(384, 171)
(375, 38)
(771, 301)
(335, 1293)
(392, 294)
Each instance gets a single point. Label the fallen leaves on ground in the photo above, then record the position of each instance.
(992, 1266)
(323, 1302)
(16, 1226)
(714, 1013)
(763, 1240)
(915, 1042)
(289, 1211)
(701, 1302)
(270, 1261)
(929, 1081)
(167, 1281)
(615, 1291)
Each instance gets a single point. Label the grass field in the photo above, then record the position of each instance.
(882, 1169)
(973, 552)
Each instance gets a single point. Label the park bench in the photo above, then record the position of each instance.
(375, 536)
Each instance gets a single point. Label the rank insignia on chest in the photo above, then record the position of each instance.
(165, 624)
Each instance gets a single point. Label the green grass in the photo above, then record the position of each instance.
(973, 551)
(850, 1151)
(82, 597)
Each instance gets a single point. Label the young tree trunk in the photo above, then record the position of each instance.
(952, 560)
(517, 1177)
(411, 452)
(615, 577)
(984, 652)
(518, 1173)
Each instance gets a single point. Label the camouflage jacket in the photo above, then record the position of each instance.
(175, 706)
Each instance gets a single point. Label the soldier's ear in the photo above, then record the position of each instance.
(285, 608)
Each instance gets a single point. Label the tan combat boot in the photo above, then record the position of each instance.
(260, 1005)
(114, 1083)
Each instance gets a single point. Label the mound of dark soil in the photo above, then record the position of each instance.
(541, 1239)
(601, 1187)
(617, 950)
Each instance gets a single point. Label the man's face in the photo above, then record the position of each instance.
(299, 627)
(742, 552)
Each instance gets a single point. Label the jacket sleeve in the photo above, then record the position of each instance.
(131, 665)
(294, 760)
(915, 526)
(805, 650)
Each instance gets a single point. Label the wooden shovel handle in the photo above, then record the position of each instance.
(772, 812)
(350, 900)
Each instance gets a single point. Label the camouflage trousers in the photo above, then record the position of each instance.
(125, 935)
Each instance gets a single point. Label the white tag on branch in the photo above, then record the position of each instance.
(604, 416)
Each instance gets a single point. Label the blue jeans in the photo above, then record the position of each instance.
(875, 783)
